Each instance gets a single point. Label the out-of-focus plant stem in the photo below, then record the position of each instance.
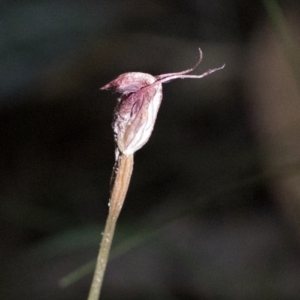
(285, 34)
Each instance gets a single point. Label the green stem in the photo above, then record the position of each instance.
(118, 194)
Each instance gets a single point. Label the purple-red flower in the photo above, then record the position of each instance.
(136, 112)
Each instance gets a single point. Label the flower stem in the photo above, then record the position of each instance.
(118, 193)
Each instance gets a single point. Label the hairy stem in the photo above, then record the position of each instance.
(118, 194)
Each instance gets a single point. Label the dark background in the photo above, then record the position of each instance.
(206, 216)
